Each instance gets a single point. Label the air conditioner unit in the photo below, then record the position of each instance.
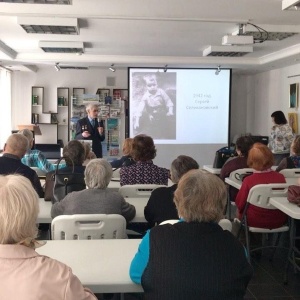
(45, 25)
(229, 51)
(62, 47)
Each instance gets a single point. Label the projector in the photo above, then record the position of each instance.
(237, 40)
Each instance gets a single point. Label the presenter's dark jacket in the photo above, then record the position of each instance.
(84, 124)
(160, 206)
(11, 164)
(193, 261)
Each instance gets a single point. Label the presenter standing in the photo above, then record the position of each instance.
(89, 128)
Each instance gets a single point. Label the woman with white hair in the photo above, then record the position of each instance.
(24, 274)
(195, 258)
(97, 199)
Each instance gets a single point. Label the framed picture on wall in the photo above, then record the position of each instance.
(293, 96)
(293, 122)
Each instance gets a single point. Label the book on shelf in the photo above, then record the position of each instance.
(115, 112)
(112, 124)
(114, 151)
(104, 111)
(114, 139)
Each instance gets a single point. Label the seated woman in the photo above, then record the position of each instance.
(144, 171)
(126, 159)
(24, 273)
(89, 154)
(73, 153)
(261, 159)
(97, 199)
(161, 206)
(180, 261)
(243, 145)
(292, 161)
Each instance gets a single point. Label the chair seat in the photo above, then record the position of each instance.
(266, 230)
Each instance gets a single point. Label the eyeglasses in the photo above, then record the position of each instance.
(151, 84)
(96, 110)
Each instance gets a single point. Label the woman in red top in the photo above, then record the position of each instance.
(261, 159)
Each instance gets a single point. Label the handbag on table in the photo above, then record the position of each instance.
(294, 194)
(58, 185)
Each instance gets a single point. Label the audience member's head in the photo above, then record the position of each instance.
(260, 157)
(127, 146)
(295, 147)
(88, 153)
(16, 144)
(181, 165)
(200, 196)
(74, 153)
(243, 145)
(143, 148)
(278, 117)
(18, 210)
(98, 173)
(29, 135)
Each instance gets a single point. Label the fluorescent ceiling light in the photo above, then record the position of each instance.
(61, 47)
(49, 25)
(7, 50)
(237, 40)
(291, 5)
(229, 51)
(65, 2)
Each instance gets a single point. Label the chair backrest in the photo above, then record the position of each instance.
(116, 173)
(235, 175)
(138, 190)
(88, 227)
(260, 194)
(291, 175)
(224, 223)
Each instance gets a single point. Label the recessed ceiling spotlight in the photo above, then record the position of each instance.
(111, 68)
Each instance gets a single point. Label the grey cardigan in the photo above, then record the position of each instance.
(94, 201)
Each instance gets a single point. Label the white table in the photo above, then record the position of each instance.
(212, 170)
(233, 182)
(101, 265)
(293, 211)
(44, 215)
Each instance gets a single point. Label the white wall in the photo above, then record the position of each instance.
(254, 97)
(50, 79)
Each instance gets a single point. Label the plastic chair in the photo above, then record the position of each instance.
(291, 175)
(235, 176)
(116, 173)
(138, 190)
(259, 196)
(88, 227)
(224, 223)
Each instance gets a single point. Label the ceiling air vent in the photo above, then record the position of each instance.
(65, 2)
(62, 47)
(72, 68)
(49, 25)
(228, 51)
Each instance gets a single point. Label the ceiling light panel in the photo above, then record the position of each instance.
(64, 2)
(39, 25)
(61, 47)
(291, 5)
(228, 51)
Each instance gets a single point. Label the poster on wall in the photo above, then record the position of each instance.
(293, 96)
(293, 122)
